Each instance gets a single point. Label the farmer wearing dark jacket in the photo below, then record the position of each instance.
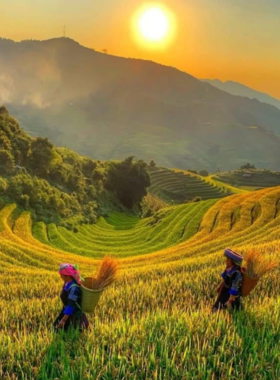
(71, 296)
(230, 288)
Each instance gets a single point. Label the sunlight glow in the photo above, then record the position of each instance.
(154, 26)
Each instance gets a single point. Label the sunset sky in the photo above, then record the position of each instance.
(227, 39)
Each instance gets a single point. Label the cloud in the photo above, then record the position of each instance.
(35, 99)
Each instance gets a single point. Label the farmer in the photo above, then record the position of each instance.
(230, 288)
(71, 295)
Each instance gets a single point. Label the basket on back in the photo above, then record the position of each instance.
(248, 284)
(90, 295)
(256, 266)
(92, 287)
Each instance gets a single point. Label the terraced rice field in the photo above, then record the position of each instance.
(179, 186)
(251, 179)
(153, 203)
(155, 322)
(122, 235)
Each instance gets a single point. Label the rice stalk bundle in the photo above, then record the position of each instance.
(106, 274)
(257, 265)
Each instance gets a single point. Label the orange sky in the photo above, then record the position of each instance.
(226, 39)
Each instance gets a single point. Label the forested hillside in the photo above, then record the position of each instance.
(60, 186)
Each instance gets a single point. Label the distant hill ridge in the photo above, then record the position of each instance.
(110, 107)
(239, 89)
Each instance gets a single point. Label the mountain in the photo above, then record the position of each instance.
(239, 89)
(110, 107)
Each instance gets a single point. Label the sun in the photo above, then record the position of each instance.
(154, 26)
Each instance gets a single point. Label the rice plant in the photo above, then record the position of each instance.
(154, 322)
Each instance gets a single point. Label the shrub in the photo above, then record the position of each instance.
(197, 199)
(204, 173)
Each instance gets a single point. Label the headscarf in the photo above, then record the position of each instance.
(70, 270)
(235, 257)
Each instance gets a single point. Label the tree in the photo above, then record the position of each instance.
(153, 164)
(3, 185)
(247, 166)
(24, 201)
(3, 111)
(98, 174)
(204, 173)
(6, 162)
(128, 180)
(5, 142)
(59, 174)
(22, 149)
(88, 166)
(41, 155)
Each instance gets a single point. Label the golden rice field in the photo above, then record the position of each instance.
(155, 322)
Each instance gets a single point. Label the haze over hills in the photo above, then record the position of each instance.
(110, 107)
(239, 89)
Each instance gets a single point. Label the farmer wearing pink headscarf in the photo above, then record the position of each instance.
(71, 296)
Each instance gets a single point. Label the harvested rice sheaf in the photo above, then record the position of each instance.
(106, 273)
(257, 265)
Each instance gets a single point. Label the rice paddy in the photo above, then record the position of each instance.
(249, 179)
(122, 235)
(154, 322)
(178, 186)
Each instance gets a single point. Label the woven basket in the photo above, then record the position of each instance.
(90, 296)
(248, 284)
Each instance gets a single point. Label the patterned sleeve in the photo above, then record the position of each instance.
(74, 294)
(236, 283)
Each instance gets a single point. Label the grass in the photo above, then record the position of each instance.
(154, 322)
